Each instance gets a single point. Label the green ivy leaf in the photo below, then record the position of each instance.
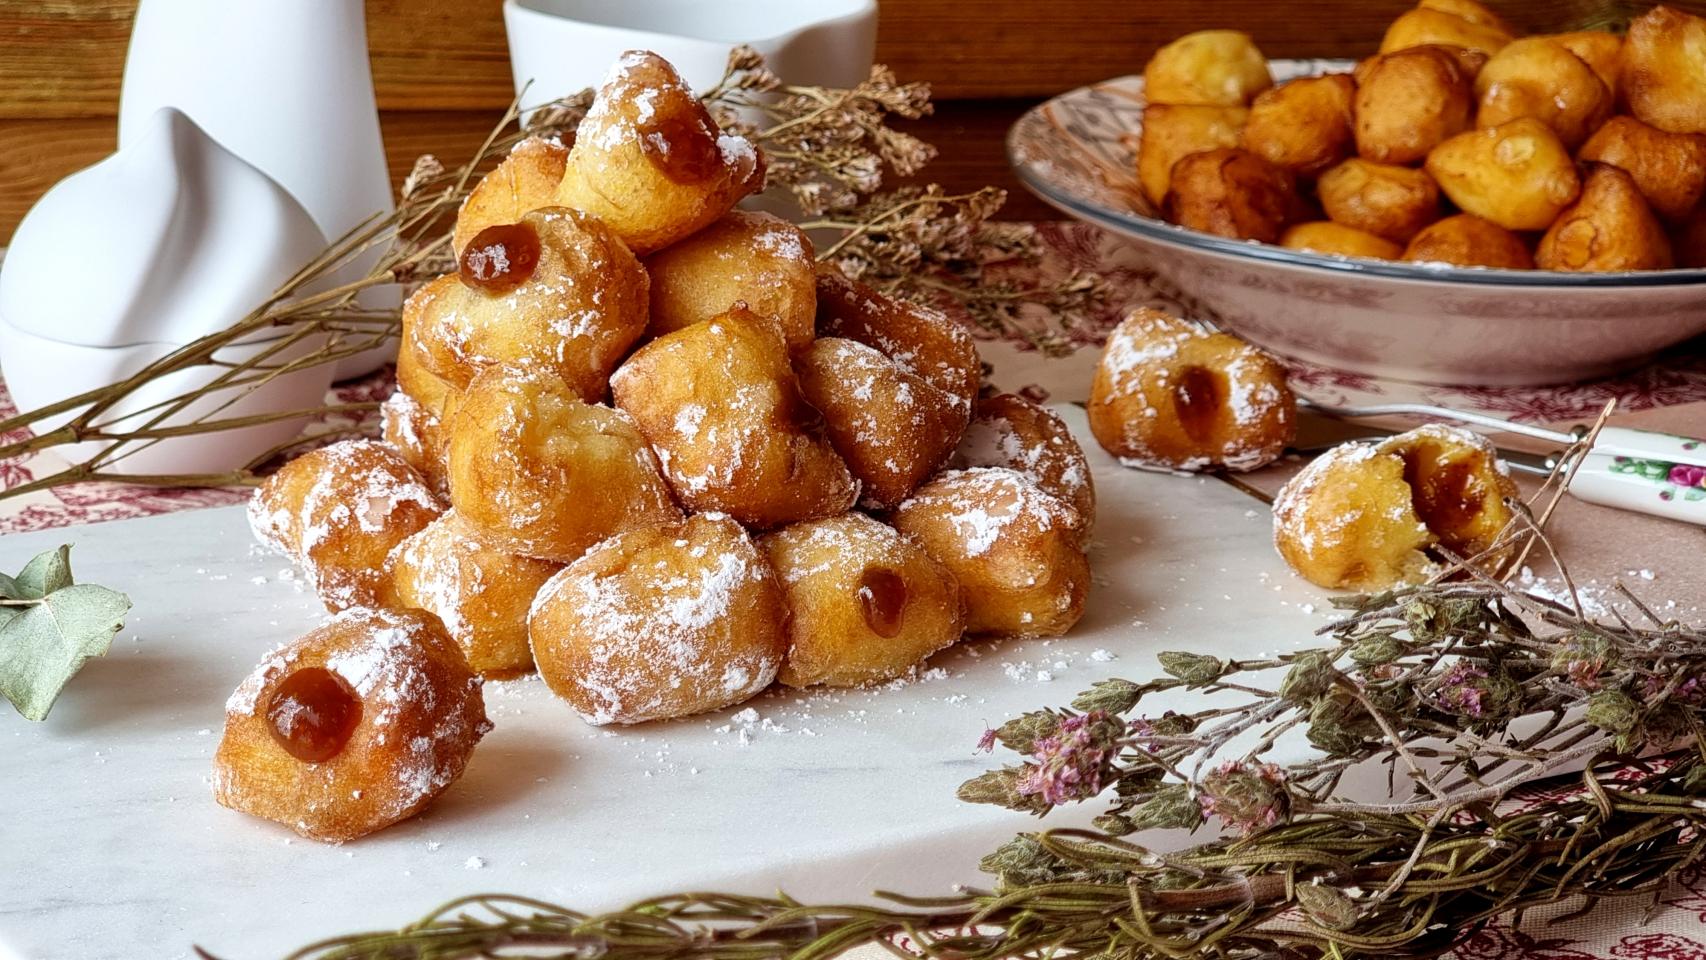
(49, 628)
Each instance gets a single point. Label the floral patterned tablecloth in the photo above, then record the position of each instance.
(1669, 927)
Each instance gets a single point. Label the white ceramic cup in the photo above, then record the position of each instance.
(565, 46)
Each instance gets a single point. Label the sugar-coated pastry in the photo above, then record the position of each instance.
(746, 257)
(418, 434)
(525, 181)
(649, 160)
(537, 472)
(480, 593)
(1015, 549)
(865, 603)
(1363, 515)
(918, 338)
(661, 622)
(353, 727)
(556, 290)
(413, 376)
(722, 407)
(1009, 431)
(1169, 395)
(893, 428)
(339, 511)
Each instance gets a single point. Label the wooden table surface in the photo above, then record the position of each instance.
(441, 69)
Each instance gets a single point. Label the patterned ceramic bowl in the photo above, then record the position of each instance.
(1431, 323)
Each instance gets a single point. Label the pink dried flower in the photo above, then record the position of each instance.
(1458, 691)
(1245, 796)
(1074, 762)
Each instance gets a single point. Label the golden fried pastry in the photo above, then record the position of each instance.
(1664, 70)
(419, 435)
(554, 291)
(1169, 395)
(1173, 131)
(662, 622)
(1379, 198)
(891, 427)
(1469, 241)
(865, 604)
(1470, 10)
(1218, 67)
(1518, 174)
(339, 511)
(1601, 51)
(1231, 192)
(355, 726)
(918, 338)
(1015, 550)
(649, 160)
(1440, 24)
(1410, 101)
(413, 378)
(1669, 168)
(525, 181)
(1302, 125)
(537, 472)
(480, 594)
(723, 409)
(748, 258)
(1610, 228)
(1325, 236)
(1009, 431)
(1540, 78)
(1363, 516)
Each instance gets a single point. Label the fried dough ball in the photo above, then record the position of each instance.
(555, 291)
(355, 726)
(720, 404)
(662, 622)
(1664, 70)
(1469, 241)
(1303, 125)
(1231, 192)
(1432, 24)
(1379, 198)
(1015, 550)
(1411, 100)
(1470, 10)
(1669, 168)
(480, 594)
(339, 511)
(891, 427)
(1688, 241)
(1362, 516)
(918, 338)
(1518, 174)
(1009, 431)
(413, 376)
(1325, 236)
(649, 160)
(1601, 51)
(1166, 394)
(537, 472)
(419, 435)
(1540, 78)
(525, 181)
(1609, 229)
(1173, 131)
(865, 604)
(748, 258)
(1219, 67)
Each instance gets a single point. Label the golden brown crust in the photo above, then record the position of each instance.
(1172, 132)
(1610, 228)
(1668, 168)
(1469, 241)
(537, 472)
(1664, 70)
(1436, 23)
(865, 603)
(1518, 174)
(525, 181)
(1302, 125)
(1169, 395)
(1014, 549)
(722, 407)
(661, 623)
(1231, 192)
(421, 714)
(748, 258)
(1216, 67)
(1380, 198)
(1410, 101)
(1325, 236)
(1540, 78)
(419, 436)
(1010, 431)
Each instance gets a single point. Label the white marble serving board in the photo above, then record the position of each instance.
(111, 845)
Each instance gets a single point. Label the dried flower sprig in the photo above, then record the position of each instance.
(830, 148)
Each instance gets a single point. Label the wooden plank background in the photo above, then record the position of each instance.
(441, 68)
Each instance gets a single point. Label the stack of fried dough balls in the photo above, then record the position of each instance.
(1459, 142)
(643, 443)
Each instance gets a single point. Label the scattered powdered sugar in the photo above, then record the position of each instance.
(1294, 521)
(982, 503)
